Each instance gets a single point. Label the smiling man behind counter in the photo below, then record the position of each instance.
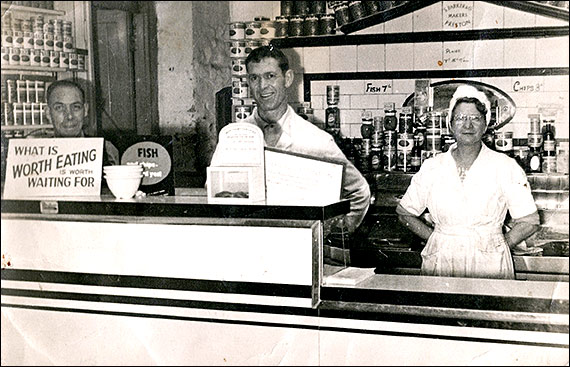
(269, 77)
(67, 111)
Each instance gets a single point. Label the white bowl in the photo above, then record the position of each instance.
(118, 177)
(134, 169)
(123, 188)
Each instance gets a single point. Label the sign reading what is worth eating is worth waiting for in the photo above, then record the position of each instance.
(53, 167)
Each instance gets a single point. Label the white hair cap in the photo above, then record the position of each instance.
(468, 91)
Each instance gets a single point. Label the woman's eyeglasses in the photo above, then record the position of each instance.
(474, 119)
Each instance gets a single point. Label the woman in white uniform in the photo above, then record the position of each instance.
(467, 191)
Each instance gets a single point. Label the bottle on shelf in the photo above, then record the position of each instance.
(416, 156)
(332, 113)
(534, 160)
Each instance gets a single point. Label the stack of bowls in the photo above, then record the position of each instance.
(123, 180)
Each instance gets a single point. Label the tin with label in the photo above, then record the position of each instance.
(238, 67)
(251, 45)
(58, 42)
(296, 26)
(389, 159)
(54, 59)
(405, 144)
(333, 94)
(534, 140)
(237, 49)
(5, 56)
(14, 56)
(7, 37)
(281, 26)
(38, 40)
(240, 88)
(327, 24)
(29, 40)
(18, 40)
(433, 142)
(267, 29)
(252, 30)
(242, 112)
(504, 142)
(81, 62)
(549, 163)
(390, 139)
(48, 41)
(44, 61)
(73, 64)
(64, 60)
(67, 43)
(311, 26)
(236, 31)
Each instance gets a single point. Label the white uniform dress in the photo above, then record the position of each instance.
(468, 216)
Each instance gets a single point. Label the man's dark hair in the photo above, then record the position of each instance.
(64, 83)
(270, 51)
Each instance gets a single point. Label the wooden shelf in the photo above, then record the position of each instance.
(25, 127)
(535, 7)
(420, 37)
(29, 9)
(34, 68)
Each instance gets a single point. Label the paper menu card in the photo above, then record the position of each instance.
(296, 179)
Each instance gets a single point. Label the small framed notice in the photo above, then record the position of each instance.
(298, 179)
(53, 167)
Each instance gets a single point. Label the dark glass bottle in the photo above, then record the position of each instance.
(534, 160)
(376, 158)
(416, 159)
(332, 117)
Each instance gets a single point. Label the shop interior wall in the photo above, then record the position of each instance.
(529, 93)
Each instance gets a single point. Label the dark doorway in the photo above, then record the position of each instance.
(125, 67)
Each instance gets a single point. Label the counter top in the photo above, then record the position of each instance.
(171, 206)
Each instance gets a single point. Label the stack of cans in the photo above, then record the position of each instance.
(40, 43)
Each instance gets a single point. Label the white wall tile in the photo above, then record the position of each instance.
(487, 16)
(319, 87)
(350, 86)
(345, 129)
(428, 18)
(519, 53)
(542, 21)
(516, 18)
(488, 54)
(343, 101)
(399, 56)
(350, 116)
(519, 129)
(355, 131)
(368, 101)
(316, 59)
(556, 83)
(457, 15)
(428, 56)
(404, 86)
(552, 52)
(503, 83)
(458, 55)
(371, 58)
(402, 24)
(375, 29)
(318, 102)
(343, 58)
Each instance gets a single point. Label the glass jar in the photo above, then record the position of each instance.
(390, 119)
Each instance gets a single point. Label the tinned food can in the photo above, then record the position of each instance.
(252, 30)
(237, 49)
(242, 112)
(296, 26)
(240, 88)
(267, 29)
(281, 27)
(327, 24)
(236, 31)
(238, 67)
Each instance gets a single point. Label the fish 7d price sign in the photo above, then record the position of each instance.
(53, 167)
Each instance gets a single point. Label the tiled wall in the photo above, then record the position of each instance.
(528, 93)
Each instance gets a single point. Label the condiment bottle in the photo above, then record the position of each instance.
(376, 158)
(390, 119)
(416, 159)
(534, 160)
(332, 113)
(366, 129)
